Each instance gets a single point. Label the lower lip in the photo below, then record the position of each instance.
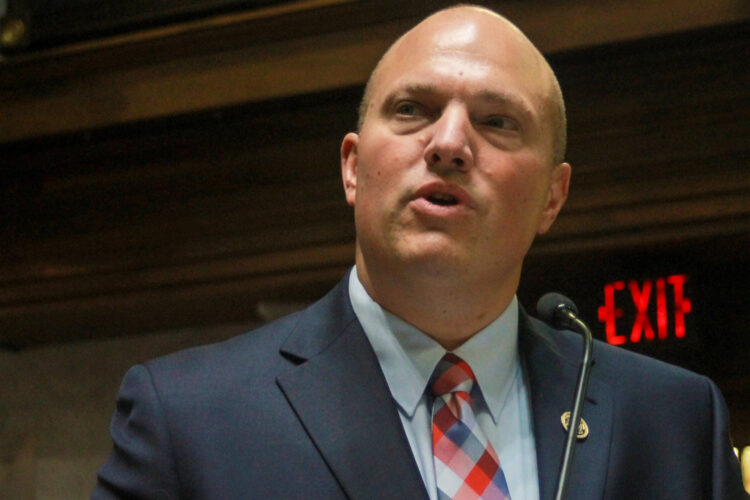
(426, 207)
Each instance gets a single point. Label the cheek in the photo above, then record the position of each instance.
(519, 186)
(384, 169)
(387, 162)
(375, 184)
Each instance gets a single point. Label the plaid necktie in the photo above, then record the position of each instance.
(466, 465)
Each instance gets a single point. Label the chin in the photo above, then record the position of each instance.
(442, 254)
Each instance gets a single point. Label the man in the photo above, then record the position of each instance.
(457, 165)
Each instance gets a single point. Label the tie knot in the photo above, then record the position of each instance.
(452, 374)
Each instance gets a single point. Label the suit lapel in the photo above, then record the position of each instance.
(552, 364)
(338, 392)
(341, 397)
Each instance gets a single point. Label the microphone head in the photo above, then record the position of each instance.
(551, 307)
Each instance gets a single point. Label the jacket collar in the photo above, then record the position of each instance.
(341, 397)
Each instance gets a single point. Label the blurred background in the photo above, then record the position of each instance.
(169, 176)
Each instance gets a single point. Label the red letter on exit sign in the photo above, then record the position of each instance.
(640, 295)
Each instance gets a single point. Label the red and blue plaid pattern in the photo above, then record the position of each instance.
(466, 465)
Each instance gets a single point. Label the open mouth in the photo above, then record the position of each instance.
(442, 199)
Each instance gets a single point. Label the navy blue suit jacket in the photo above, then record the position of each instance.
(300, 409)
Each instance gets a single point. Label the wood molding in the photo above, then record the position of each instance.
(194, 218)
(305, 47)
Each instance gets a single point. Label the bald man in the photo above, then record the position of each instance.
(419, 376)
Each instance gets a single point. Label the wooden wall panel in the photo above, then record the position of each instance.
(302, 47)
(658, 139)
(195, 218)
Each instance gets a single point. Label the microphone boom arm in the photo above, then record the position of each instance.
(570, 320)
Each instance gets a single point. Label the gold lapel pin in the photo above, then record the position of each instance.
(583, 427)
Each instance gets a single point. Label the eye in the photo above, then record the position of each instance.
(407, 116)
(502, 123)
(407, 109)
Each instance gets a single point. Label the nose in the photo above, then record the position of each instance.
(450, 147)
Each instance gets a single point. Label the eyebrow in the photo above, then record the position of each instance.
(507, 99)
(411, 89)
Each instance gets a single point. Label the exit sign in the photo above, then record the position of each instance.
(662, 300)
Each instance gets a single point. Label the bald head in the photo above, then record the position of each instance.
(466, 24)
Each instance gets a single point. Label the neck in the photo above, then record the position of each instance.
(449, 308)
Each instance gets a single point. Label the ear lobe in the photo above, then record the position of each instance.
(349, 163)
(557, 194)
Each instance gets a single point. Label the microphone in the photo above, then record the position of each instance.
(560, 312)
(554, 309)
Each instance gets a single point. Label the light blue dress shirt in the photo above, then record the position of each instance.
(408, 357)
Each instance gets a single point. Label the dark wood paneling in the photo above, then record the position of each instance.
(54, 22)
(658, 139)
(194, 218)
(300, 47)
(189, 220)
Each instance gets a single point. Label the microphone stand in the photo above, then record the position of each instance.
(570, 320)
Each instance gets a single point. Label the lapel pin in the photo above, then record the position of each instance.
(583, 428)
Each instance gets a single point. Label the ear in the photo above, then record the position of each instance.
(349, 166)
(556, 196)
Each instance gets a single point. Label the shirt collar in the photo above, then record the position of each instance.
(408, 356)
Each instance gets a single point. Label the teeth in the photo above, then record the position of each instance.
(442, 199)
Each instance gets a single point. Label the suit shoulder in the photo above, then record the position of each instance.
(628, 365)
(617, 366)
(256, 357)
(253, 351)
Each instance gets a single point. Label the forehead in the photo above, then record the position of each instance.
(475, 53)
